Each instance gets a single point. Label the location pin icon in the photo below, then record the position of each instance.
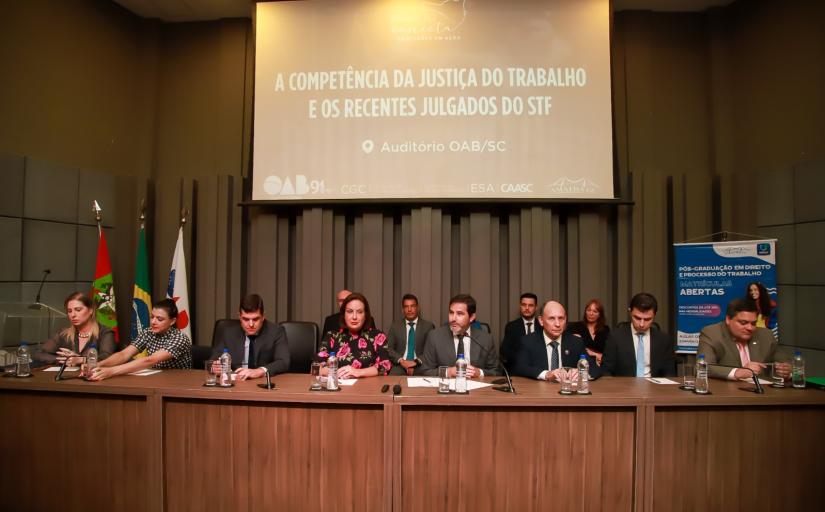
(367, 146)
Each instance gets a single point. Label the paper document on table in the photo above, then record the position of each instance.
(144, 373)
(661, 380)
(432, 382)
(57, 369)
(347, 382)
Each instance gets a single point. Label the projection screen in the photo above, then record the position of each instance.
(432, 100)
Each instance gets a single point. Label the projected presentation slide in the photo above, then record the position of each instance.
(432, 100)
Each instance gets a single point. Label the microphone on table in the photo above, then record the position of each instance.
(268, 384)
(385, 388)
(758, 389)
(62, 369)
(396, 390)
(506, 383)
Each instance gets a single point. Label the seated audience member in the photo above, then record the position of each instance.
(407, 337)
(737, 341)
(75, 341)
(545, 354)
(168, 348)
(255, 343)
(460, 337)
(524, 325)
(332, 323)
(636, 350)
(360, 349)
(593, 329)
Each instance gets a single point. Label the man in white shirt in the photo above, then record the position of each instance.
(445, 343)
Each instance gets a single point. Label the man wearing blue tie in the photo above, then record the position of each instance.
(640, 349)
(406, 337)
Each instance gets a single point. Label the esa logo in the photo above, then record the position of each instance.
(481, 188)
(275, 186)
(763, 249)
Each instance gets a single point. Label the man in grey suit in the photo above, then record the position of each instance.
(737, 341)
(407, 337)
(445, 343)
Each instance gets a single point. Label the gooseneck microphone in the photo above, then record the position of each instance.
(508, 387)
(758, 389)
(268, 384)
(59, 375)
(36, 304)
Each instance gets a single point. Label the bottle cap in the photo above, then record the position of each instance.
(582, 356)
(225, 350)
(23, 344)
(332, 354)
(797, 353)
(701, 357)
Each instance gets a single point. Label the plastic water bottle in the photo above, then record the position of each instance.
(332, 372)
(24, 366)
(461, 374)
(701, 385)
(226, 369)
(91, 360)
(584, 375)
(798, 370)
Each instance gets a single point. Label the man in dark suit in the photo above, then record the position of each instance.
(407, 337)
(527, 323)
(253, 342)
(544, 354)
(333, 321)
(445, 343)
(636, 350)
(737, 341)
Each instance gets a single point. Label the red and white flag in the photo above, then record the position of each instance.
(178, 290)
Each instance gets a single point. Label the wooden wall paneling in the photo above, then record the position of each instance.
(574, 267)
(66, 439)
(389, 273)
(404, 259)
(652, 247)
(515, 264)
(236, 238)
(341, 276)
(746, 462)
(283, 271)
(328, 254)
(371, 260)
(551, 241)
(478, 275)
(263, 260)
(497, 298)
(445, 286)
(514, 447)
(594, 259)
(164, 231)
(207, 273)
(692, 206)
(310, 262)
(130, 191)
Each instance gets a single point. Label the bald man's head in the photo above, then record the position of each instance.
(553, 319)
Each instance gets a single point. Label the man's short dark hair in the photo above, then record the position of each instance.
(467, 300)
(529, 295)
(167, 305)
(737, 306)
(252, 303)
(409, 296)
(644, 302)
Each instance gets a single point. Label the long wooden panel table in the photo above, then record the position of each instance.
(165, 442)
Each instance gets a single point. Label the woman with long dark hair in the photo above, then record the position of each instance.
(757, 295)
(593, 329)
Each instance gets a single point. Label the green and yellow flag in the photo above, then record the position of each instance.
(142, 295)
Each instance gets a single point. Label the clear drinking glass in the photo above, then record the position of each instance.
(211, 376)
(687, 372)
(315, 371)
(443, 379)
(566, 381)
(777, 381)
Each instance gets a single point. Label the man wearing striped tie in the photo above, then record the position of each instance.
(640, 349)
(407, 336)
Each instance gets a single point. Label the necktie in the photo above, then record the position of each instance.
(411, 343)
(640, 355)
(743, 354)
(250, 352)
(460, 348)
(554, 355)
(529, 327)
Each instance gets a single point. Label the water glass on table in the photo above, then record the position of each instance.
(211, 376)
(443, 379)
(687, 372)
(315, 372)
(777, 381)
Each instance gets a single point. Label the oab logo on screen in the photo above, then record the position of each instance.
(288, 186)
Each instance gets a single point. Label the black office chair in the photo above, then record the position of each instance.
(200, 355)
(485, 326)
(303, 340)
(221, 326)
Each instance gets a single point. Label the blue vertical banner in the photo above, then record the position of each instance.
(709, 275)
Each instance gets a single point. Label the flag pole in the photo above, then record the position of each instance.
(142, 214)
(98, 218)
(184, 214)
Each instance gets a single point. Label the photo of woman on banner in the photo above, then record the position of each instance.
(757, 295)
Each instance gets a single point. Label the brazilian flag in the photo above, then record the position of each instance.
(141, 297)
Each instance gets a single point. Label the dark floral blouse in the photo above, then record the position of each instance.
(368, 348)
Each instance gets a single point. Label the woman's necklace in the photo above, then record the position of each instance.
(84, 334)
